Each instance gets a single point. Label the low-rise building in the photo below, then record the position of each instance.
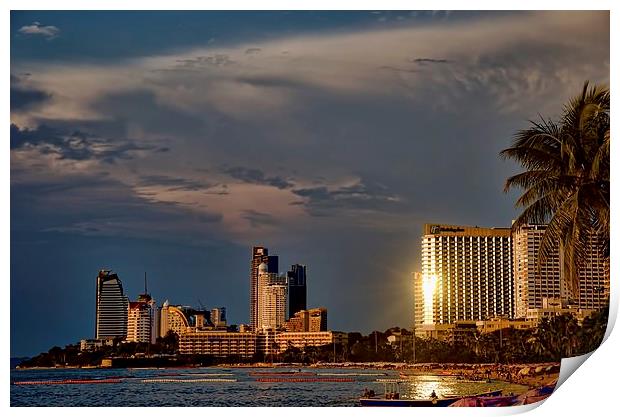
(217, 343)
(312, 320)
(300, 340)
(89, 345)
(552, 307)
(492, 325)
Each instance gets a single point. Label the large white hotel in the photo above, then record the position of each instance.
(466, 274)
(474, 273)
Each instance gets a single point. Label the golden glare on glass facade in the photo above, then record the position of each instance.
(466, 274)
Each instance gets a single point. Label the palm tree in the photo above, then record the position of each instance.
(566, 179)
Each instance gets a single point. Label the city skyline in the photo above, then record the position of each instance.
(308, 132)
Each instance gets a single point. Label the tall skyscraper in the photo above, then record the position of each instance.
(296, 278)
(534, 285)
(111, 307)
(260, 255)
(466, 274)
(272, 292)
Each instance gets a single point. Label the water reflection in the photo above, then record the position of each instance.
(245, 392)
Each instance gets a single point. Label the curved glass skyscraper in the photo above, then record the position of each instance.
(111, 307)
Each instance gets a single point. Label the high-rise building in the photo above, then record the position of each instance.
(272, 291)
(466, 274)
(535, 286)
(172, 318)
(111, 306)
(296, 289)
(142, 320)
(260, 255)
(218, 317)
(418, 302)
(181, 319)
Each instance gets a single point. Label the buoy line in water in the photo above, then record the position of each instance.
(70, 381)
(305, 380)
(164, 380)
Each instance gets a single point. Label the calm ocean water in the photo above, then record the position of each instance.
(132, 391)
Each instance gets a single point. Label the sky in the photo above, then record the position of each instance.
(172, 142)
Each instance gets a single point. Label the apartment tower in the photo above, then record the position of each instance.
(466, 274)
(260, 255)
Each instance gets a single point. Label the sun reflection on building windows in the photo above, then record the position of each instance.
(429, 283)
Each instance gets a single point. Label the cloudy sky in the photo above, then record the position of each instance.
(171, 142)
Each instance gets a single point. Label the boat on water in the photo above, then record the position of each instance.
(392, 397)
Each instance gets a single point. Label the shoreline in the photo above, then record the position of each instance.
(531, 375)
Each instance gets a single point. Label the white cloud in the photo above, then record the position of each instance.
(36, 28)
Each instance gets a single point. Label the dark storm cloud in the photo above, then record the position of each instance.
(271, 82)
(142, 108)
(423, 61)
(256, 176)
(365, 195)
(76, 145)
(258, 219)
(179, 184)
(25, 98)
(96, 204)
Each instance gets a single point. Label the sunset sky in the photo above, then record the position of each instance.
(172, 142)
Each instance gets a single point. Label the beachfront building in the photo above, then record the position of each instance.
(260, 255)
(142, 320)
(534, 284)
(181, 319)
(296, 278)
(90, 345)
(317, 320)
(111, 307)
(301, 340)
(500, 323)
(466, 275)
(172, 318)
(554, 307)
(272, 291)
(313, 320)
(217, 343)
(460, 331)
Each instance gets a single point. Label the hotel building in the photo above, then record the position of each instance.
(142, 320)
(313, 320)
(111, 306)
(466, 274)
(260, 255)
(181, 319)
(217, 343)
(544, 288)
(301, 340)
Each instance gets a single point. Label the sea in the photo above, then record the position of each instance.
(226, 387)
